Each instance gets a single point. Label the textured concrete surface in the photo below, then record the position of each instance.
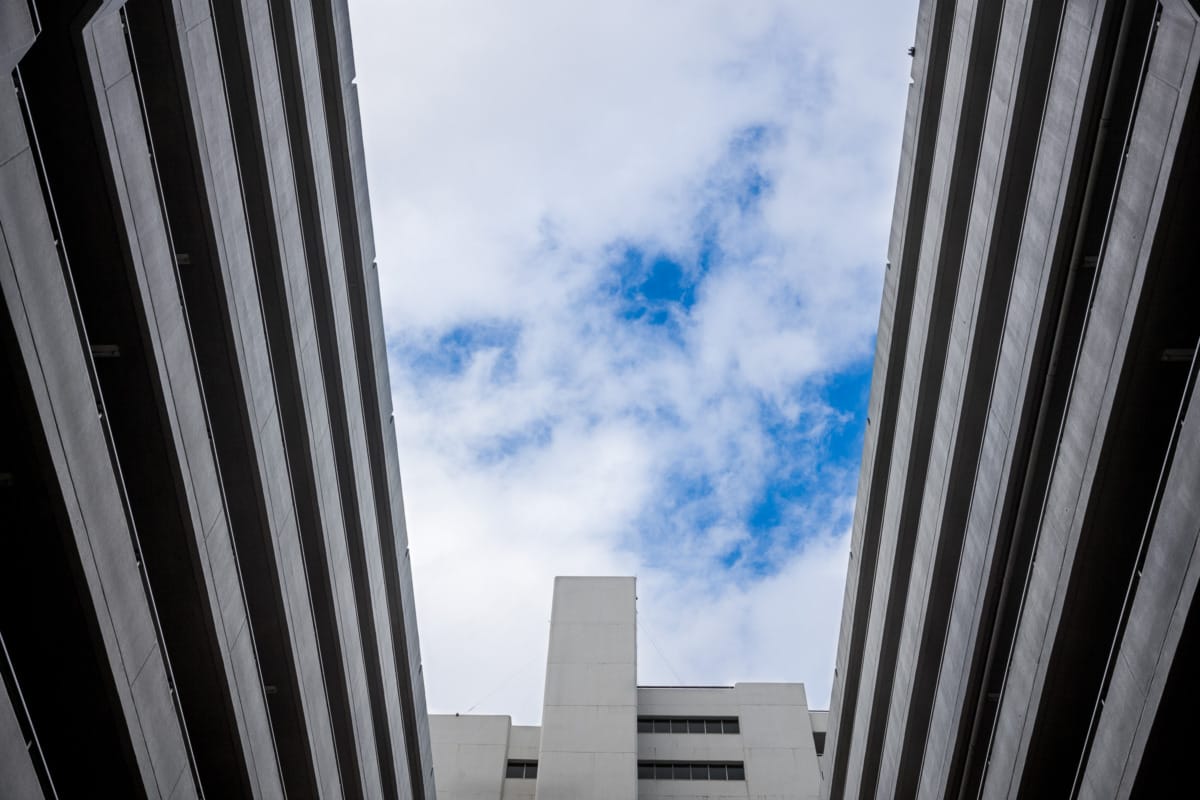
(16, 757)
(1147, 650)
(589, 714)
(204, 531)
(40, 307)
(234, 523)
(470, 753)
(1014, 448)
(248, 429)
(775, 740)
(1014, 374)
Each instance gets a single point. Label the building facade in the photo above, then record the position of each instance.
(603, 737)
(205, 579)
(1020, 616)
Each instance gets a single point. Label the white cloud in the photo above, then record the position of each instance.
(514, 150)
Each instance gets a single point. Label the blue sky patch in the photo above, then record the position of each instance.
(451, 353)
(749, 183)
(848, 391)
(537, 434)
(654, 288)
(814, 462)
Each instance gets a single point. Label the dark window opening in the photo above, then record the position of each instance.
(688, 725)
(692, 770)
(521, 769)
(819, 741)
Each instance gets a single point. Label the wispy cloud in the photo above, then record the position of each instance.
(631, 256)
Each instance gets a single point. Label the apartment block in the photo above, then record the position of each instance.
(1020, 616)
(204, 584)
(603, 737)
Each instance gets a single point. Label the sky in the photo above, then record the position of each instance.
(631, 257)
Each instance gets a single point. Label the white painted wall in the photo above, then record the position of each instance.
(781, 758)
(469, 755)
(589, 716)
(775, 742)
(523, 744)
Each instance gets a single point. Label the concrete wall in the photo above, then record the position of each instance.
(589, 715)
(1023, 468)
(52, 372)
(775, 741)
(190, 281)
(471, 752)
(691, 702)
(523, 744)
(469, 755)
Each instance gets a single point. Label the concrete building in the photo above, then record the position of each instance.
(603, 737)
(1020, 615)
(204, 578)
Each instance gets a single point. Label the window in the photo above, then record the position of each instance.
(521, 769)
(819, 741)
(688, 725)
(691, 771)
